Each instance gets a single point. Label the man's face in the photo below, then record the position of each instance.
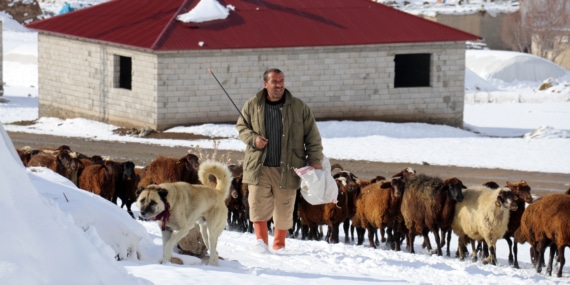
(275, 86)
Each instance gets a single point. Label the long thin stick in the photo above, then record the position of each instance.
(246, 122)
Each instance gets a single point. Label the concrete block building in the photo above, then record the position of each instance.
(132, 63)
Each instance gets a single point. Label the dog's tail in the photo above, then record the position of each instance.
(220, 171)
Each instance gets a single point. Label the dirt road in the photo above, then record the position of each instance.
(142, 154)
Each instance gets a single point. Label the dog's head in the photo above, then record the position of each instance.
(151, 201)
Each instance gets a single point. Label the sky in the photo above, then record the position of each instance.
(56, 233)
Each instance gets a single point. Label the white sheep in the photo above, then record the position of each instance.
(483, 215)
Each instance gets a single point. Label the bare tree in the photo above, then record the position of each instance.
(549, 22)
(515, 34)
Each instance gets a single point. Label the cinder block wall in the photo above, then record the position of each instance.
(339, 83)
(172, 89)
(76, 80)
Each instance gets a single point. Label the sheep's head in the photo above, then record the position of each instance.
(342, 197)
(236, 187)
(454, 188)
(129, 170)
(397, 185)
(406, 174)
(349, 180)
(190, 161)
(491, 184)
(507, 198)
(522, 190)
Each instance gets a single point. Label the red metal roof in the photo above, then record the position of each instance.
(152, 24)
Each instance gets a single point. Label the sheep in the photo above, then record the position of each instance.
(378, 206)
(99, 179)
(360, 226)
(63, 162)
(361, 184)
(545, 223)
(126, 182)
(168, 169)
(353, 184)
(483, 215)
(25, 153)
(331, 214)
(522, 191)
(428, 204)
(236, 208)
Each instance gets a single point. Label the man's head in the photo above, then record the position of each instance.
(274, 82)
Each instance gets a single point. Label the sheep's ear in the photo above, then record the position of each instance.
(139, 190)
(500, 200)
(463, 186)
(386, 184)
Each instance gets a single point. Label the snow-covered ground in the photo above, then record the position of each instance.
(55, 233)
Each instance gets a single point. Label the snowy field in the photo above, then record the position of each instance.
(58, 234)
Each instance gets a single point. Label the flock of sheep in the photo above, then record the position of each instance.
(400, 207)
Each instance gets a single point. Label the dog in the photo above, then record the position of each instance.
(179, 206)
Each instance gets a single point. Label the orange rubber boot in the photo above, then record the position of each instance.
(260, 229)
(279, 239)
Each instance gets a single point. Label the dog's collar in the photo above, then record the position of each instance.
(164, 216)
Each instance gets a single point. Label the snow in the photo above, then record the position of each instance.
(54, 233)
(205, 10)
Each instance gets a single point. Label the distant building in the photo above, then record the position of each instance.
(1, 60)
(131, 63)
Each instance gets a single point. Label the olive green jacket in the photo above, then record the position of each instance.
(300, 145)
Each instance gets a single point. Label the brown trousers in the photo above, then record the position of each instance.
(267, 200)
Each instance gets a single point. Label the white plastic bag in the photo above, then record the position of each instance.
(318, 185)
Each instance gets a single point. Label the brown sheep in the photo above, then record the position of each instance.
(545, 223)
(167, 169)
(378, 206)
(331, 214)
(353, 185)
(65, 163)
(429, 205)
(406, 174)
(98, 179)
(25, 153)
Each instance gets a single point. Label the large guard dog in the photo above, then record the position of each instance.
(178, 206)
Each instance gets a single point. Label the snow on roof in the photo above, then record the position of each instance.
(206, 10)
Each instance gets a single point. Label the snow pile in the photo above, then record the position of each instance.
(206, 10)
(511, 66)
(46, 252)
(546, 132)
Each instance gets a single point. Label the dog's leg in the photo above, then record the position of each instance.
(213, 243)
(204, 231)
(170, 240)
(166, 235)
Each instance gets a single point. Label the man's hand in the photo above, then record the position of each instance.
(260, 142)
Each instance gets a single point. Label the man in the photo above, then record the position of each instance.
(281, 134)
